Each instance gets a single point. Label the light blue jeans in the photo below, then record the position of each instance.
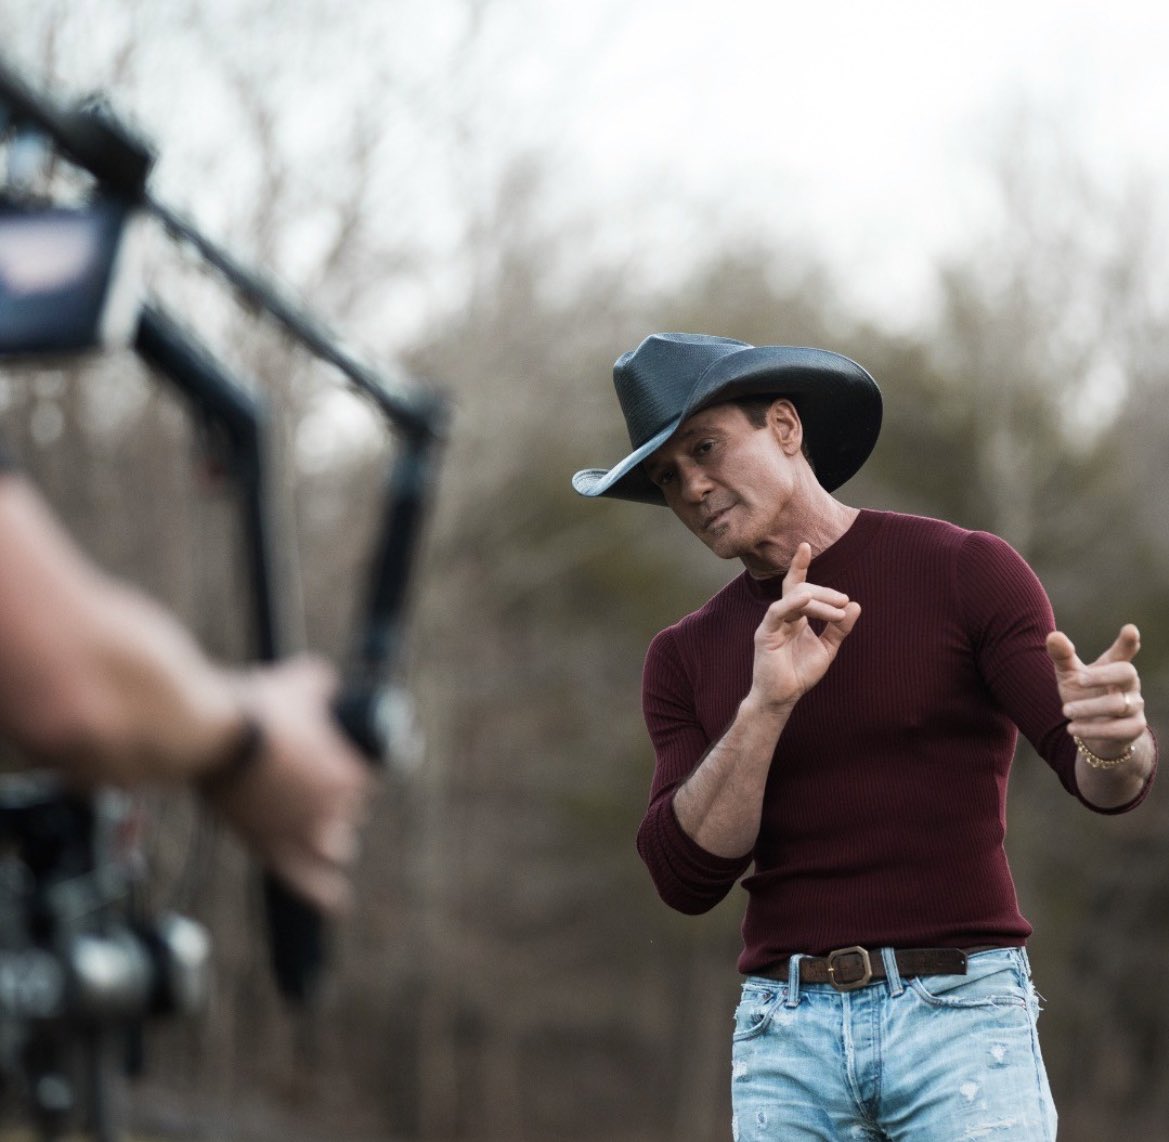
(931, 1058)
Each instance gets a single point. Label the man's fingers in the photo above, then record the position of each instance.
(1116, 705)
(807, 601)
(1062, 652)
(797, 573)
(1102, 701)
(1114, 668)
(836, 632)
(1125, 648)
(322, 885)
(1111, 675)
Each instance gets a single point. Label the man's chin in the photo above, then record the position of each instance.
(721, 540)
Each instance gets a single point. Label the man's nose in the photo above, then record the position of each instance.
(695, 483)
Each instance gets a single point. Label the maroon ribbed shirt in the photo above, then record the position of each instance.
(885, 807)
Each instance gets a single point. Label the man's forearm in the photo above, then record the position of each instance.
(94, 676)
(170, 713)
(720, 804)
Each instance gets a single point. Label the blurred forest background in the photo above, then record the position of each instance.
(508, 974)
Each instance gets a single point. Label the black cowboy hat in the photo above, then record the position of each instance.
(670, 376)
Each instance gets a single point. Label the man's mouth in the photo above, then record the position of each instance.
(714, 517)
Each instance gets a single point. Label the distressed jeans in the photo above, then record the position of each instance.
(928, 1059)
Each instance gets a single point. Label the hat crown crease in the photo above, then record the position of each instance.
(655, 381)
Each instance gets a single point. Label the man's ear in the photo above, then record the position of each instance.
(785, 423)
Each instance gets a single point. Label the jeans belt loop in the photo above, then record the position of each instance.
(892, 972)
(793, 981)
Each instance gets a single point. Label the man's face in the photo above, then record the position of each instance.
(728, 481)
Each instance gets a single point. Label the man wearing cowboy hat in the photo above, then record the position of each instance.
(843, 716)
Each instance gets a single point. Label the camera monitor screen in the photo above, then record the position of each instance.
(64, 281)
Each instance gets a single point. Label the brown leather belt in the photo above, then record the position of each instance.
(846, 969)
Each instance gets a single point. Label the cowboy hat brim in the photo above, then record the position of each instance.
(838, 401)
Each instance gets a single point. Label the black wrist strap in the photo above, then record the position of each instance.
(238, 759)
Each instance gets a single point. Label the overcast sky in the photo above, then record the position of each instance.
(863, 128)
(868, 126)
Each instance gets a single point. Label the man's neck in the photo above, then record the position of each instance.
(820, 524)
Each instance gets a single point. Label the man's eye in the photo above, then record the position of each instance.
(704, 448)
(663, 478)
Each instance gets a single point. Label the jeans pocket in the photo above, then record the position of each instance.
(994, 980)
(756, 1008)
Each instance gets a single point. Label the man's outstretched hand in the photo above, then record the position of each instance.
(1102, 699)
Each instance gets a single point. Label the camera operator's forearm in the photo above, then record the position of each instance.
(159, 709)
(94, 677)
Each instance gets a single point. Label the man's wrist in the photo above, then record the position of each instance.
(756, 705)
(236, 759)
(1095, 761)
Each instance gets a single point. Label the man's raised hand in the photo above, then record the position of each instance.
(790, 658)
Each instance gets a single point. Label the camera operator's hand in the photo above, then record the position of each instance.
(102, 684)
(297, 796)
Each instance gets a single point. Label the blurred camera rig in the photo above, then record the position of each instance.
(82, 967)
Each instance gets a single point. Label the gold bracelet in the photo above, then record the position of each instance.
(1097, 762)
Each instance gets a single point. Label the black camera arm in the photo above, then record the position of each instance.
(119, 160)
(232, 420)
(366, 706)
